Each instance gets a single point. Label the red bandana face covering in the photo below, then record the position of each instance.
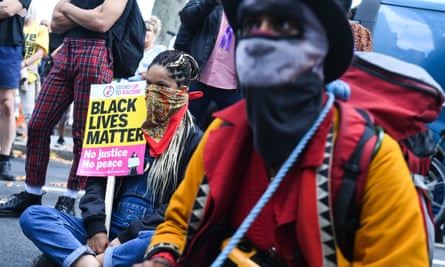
(165, 109)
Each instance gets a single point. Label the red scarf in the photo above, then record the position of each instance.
(158, 147)
(165, 109)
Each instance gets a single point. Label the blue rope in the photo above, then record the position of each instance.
(242, 229)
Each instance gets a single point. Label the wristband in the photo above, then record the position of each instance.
(164, 258)
(172, 249)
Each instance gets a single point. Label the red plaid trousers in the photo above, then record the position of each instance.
(80, 63)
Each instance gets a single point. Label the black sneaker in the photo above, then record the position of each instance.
(66, 204)
(15, 204)
(61, 141)
(43, 261)
(5, 171)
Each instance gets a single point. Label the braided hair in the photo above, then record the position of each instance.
(181, 66)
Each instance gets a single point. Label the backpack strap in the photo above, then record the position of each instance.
(346, 205)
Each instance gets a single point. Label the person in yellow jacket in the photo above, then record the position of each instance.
(286, 51)
(36, 46)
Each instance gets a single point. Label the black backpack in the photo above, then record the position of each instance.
(126, 41)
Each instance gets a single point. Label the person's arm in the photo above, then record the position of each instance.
(9, 8)
(99, 19)
(33, 58)
(391, 231)
(42, 43)
(92, 205)
(59, 22)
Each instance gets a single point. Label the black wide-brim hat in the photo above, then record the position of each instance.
(334, 21)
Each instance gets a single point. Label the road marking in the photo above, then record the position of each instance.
(439, 262)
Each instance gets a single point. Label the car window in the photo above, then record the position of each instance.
(413, 34)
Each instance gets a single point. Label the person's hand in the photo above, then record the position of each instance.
(100, 258)
(156, 262)
(60, 6)
(64, 6)
(114, 242)
(98, 242)
(61, 3)
(26, 63)
(22, 12)
(143, 75)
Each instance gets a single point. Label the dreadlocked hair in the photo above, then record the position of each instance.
(181, 66)
(163, 176)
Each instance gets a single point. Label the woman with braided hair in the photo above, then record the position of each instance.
(140, 200)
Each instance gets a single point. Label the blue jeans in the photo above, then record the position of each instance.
(222, 98)
(63, 238)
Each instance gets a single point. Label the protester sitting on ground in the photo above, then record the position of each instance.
(140, 200)
(83, 59)
(151, 49)
(286, 129)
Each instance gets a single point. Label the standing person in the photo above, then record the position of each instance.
(151, 49)
(286, 51)
(208, 37)
(140, 200)
(43, 63)
(55, 42)
(12, 13)
(36, 46)
(84, 59)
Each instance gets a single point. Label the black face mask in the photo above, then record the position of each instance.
(282, 81)
(280, 116)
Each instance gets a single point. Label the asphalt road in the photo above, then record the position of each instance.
(17, 251)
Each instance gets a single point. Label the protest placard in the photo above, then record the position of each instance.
(113, 143)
